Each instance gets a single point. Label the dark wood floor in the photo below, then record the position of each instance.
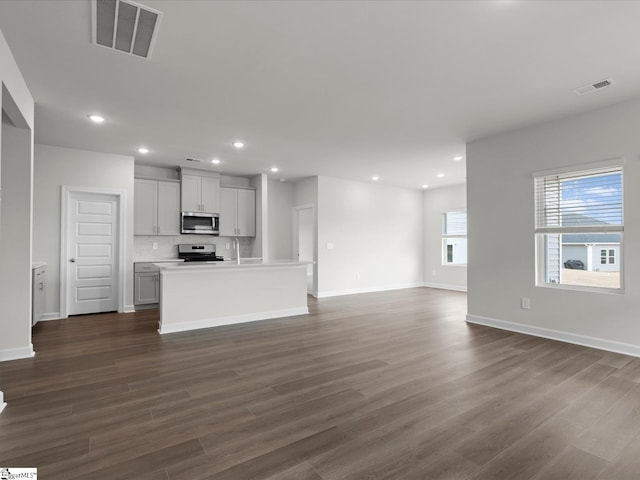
(391, 385)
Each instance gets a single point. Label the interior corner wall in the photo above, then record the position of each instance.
(55, 167)
(15, 332)
(437, 202)
(15, 241)
(280, 204)
(500, 212)
(369, 237)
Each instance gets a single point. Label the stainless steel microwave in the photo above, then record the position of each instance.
(200, 223)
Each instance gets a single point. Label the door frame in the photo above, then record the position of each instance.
(295, 240)
(121, 196)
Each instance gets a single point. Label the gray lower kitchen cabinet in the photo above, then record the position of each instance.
(146, 284)
(156, 207)
(237, 212)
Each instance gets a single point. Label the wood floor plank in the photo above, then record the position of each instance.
(386, 386)
(532, 453)
(573, 464)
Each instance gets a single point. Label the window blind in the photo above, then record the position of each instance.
(580, 202)
(454, 223)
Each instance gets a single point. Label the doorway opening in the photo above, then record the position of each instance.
(304, 242)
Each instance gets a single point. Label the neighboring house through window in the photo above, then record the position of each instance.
(579, 227)
(454, 238)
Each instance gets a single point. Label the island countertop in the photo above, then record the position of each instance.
(227, 264)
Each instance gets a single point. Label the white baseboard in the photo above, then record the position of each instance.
(129, 309)
(16, 353)
(50, 316)
(354, 291)
(231, 320)
(584, 340)
(443, 286)
(2, 402)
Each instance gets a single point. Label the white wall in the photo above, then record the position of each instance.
(280, 204)
(15, 242)
(376, 234)
(501, 221)
(16, 101)
(437, 202)
(159, 173)
(57, 166)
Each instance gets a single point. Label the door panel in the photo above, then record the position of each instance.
(191, 195)
(210, 195)
(168, 208)
(228, 212)
(305, 224)
(145, 207)
(92, 247)
(246, 212)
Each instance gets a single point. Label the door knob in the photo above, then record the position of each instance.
(72, 260)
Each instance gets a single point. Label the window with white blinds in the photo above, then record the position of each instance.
(454, 238)
(578, 215)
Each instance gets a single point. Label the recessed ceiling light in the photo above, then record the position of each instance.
(143, 150)
(274, 169)
(440, 175)
(375, 178)
(96, 118)
(425, 186)
(282, 179)
(458, 158)
(215, 161)
(238, 144)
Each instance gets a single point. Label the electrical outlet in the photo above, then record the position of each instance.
(357, 276)
(227, 246)
(154, 245)
(525, 303)
(329, 246)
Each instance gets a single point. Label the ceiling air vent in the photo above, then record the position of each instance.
(125, 26)
(193, 160)
(594, 86)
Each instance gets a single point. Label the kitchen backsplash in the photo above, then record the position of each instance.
(168, 245)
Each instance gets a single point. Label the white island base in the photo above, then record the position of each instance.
(203, 295)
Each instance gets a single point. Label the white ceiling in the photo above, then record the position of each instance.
(348, 89)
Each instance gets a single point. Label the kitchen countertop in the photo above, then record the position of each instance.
(249, 263)
(157, 260)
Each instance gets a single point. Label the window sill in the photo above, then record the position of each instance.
(577, 288)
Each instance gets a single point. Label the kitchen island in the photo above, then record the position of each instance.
(197, 295)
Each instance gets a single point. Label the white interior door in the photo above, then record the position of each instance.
(304, 217)
(92, 253)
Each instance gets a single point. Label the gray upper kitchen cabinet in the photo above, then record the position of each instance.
(237, 212)
(200, 191)
(156, 207)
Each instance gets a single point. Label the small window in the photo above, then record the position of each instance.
(579, 228)
(454, 238)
